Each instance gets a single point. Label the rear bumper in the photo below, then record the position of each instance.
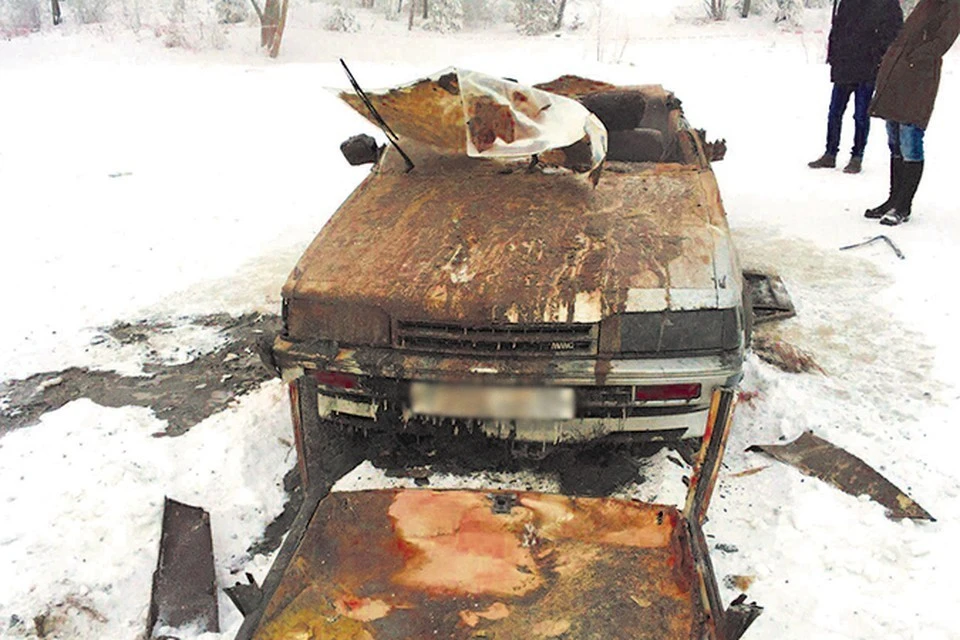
(604, 390)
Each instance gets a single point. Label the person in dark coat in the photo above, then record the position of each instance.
(906, 90)
(861, 32)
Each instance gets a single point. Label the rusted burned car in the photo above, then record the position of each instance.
(512, 295)
(521, 299)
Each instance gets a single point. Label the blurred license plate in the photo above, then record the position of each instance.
(502, 403)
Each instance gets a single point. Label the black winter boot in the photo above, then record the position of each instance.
(912, 172)
(896, 173)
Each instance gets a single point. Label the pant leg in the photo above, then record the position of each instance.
(838, 104)
(911, 143)
(861, 117)
(893, 139)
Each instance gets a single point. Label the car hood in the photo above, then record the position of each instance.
(478, 242)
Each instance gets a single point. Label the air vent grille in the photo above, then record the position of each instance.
(496, 340)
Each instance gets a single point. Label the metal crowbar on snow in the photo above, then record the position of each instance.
(895, 248)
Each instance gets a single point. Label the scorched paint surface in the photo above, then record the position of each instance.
(461, 564)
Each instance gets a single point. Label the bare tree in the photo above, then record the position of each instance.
(55, 7)
(560, 10)
(273, 18)
(716, 9)
(745, 8)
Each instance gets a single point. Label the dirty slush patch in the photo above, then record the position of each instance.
(182, 394)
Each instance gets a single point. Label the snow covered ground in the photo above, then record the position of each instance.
(138, 181)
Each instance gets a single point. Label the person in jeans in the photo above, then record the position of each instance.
(907, 87)
(861, 32)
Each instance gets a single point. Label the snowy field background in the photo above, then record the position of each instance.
(229, 164)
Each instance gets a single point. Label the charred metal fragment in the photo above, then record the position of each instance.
(264, 349)
(769, 297)
(360, 149)
(184, 583)
(502, 502)
(716, 150)
(281, 563)
(821, 459)
(326, 452)
(246, 597)
(738, 617)
(711, 455)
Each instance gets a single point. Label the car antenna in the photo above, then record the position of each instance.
(391, 136)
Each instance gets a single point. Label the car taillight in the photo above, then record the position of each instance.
(336, 379)
(666, 392)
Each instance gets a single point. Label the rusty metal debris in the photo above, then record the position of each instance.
(359, 150)
(768, 296)
(889, 242)
(416, 564)
(819, 458)
(707, 465)
(246, 597)
(184, 585)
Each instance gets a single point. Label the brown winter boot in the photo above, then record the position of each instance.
(854, 165)
(826, 161)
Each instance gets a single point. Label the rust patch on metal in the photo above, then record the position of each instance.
(488, 121)
(417, 564)
(361, 609)
(496, 611)
(707, 467)
(575, 86)
(460, 546)
(460, 240)
(819, 458)
(430, 110)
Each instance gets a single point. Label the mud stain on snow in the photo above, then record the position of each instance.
(182, 394)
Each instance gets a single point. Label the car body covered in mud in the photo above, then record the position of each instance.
(517, 298)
